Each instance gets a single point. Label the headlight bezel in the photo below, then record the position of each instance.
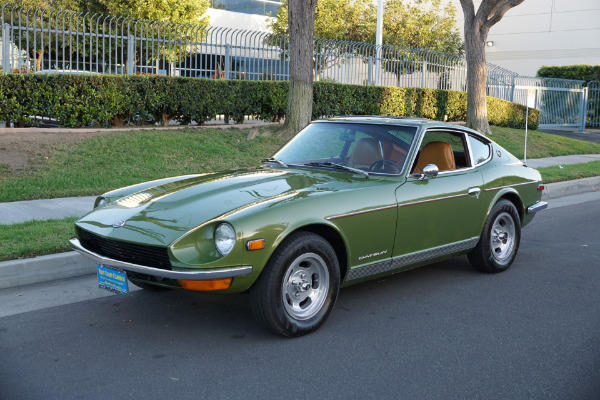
(225, 238)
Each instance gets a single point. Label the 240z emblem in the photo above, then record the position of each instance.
(119, 224)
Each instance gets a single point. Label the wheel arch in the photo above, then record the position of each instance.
(514, 198)
(335, 240)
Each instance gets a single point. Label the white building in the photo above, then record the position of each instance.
(543, 32)
(535, 33)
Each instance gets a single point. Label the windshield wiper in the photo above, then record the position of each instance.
(338, 166)
(275, 160)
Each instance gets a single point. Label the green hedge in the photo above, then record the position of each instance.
(335, 99)
(577, 72)
(105, 100)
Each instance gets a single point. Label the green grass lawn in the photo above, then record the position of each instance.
(106, 162)
(35, 238)
(569, 172)
(540, 144)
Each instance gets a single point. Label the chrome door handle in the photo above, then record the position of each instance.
(475, 191)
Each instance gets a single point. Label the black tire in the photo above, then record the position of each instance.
(298, 287)
(499, 242)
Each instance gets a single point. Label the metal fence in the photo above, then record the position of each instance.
(43, 39)
(593, 104)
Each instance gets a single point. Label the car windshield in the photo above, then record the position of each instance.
(373, 148)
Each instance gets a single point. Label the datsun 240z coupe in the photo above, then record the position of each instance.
(346, 200)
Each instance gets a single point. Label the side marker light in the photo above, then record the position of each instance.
(256, 244)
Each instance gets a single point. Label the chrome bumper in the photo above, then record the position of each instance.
(539, 206)
(220, 273)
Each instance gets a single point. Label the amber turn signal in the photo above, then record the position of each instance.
(256, 244)
(206, 285)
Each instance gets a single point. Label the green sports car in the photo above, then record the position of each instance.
(346, 200)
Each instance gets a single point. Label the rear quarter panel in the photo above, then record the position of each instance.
(506, 177)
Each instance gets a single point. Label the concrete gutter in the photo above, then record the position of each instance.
(53, 267)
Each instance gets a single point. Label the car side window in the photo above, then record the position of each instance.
(479, 149)
(445, 149)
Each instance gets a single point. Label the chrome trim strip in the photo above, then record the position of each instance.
(230, 272)
(509, 186)
(431, 200)
(412, 258)
(360, 212)
(539, 206)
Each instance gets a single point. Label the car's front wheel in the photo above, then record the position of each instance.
(298, 287)
(499, 242)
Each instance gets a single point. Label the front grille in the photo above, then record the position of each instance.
(150, 256)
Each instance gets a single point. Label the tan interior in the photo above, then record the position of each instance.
(366, 152)
(438, 153)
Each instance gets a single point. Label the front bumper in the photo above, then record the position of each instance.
(205, 274)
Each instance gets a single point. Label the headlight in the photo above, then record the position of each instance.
(100, 201)
(224, 238)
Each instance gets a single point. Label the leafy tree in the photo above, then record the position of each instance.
(418, 24)
(477, 26)
(44, 46)
(25, 12)
(179, 11)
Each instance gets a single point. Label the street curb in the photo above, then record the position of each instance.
(40, 269)
(568, 188)
(52, 267)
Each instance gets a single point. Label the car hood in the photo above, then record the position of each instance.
(161, 214)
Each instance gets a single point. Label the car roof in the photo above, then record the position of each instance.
(400, 121)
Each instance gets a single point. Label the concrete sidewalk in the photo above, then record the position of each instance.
(69, 265)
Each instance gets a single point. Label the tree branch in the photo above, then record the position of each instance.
(491, 12)
(468, 9)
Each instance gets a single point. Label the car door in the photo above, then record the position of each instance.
(440, 215)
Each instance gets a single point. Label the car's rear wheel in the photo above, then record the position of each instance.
(499, 242)
(298, 287)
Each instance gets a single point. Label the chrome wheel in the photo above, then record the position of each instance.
(499, 242)
(305, 286)
(502, 238)
(298, 287)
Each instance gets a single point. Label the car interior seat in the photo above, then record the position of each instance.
(438, 153)
(366, 152)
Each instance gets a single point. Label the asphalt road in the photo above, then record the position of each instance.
(438, 332)
(593, 136)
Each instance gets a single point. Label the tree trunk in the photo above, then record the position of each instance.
(477, 118)
(477, 26)
(38, 60)
(301, 20)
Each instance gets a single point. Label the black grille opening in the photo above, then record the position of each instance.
(150, 256)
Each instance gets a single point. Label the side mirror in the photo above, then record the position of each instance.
(430, 171)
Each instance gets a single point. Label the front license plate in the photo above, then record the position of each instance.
(112, 279)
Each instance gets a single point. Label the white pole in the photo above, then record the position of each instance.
(378, 41)
(526, 121)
